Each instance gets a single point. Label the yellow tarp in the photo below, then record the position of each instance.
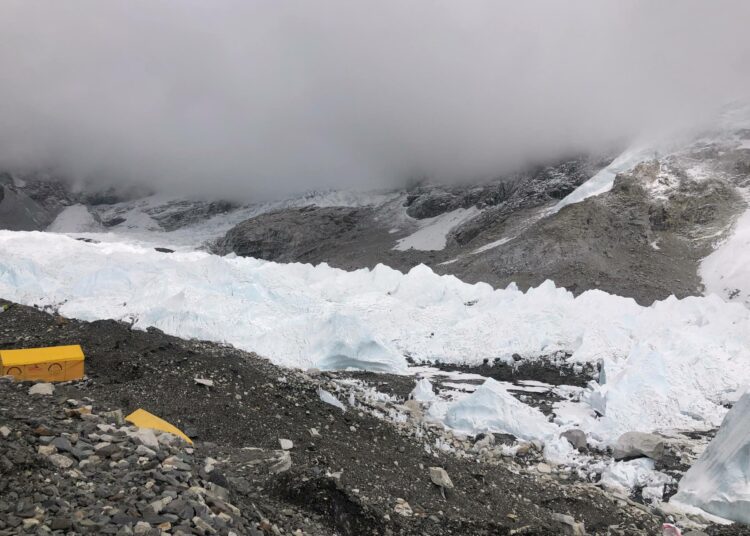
(144, 419)
(53, 364)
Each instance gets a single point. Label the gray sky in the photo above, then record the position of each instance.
(252, 98)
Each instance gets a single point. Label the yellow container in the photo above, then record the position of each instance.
(52, 364)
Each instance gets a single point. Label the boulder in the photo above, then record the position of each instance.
(44, 389)
(566, 524)
(575, 437)
(439, 477)
(638, 444)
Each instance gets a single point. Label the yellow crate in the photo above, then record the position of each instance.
(51, 364)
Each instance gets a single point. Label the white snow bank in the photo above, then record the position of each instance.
(719, 482)
(433, 232)
(726, 271)
(491, 408)
(639, 473)
(686, 357)
(75, 219)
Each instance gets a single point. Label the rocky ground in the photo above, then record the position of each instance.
(69, 464)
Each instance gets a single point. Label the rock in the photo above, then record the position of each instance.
(286, 444)
(115, 416)
(60, 523)
(431, 204)
(486, 441)
(314, 432)
(293, 234)
(63, 462)
(402, 508)
(30, 524)
(637, 444)
(209, 465)
(147, 437)
(204, 381)
(567, 525)
(414, 408)
(4, 431)
(575, 437)
(440, 477)
(44, 389)
(46, 450)
(283, 463)
(143, 450)
(203, 526)
(544, 468)
(141, 528)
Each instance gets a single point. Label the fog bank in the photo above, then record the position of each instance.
(264, 98)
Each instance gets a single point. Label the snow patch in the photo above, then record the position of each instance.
(726, 271)
(74, 219)
(433, 232)
(492, 245)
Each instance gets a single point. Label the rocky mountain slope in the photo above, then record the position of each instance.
(643, 236)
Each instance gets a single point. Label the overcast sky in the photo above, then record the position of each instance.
(254, 98)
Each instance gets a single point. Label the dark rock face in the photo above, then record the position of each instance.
(431, 204)
(18, 212)
(291, 235)
(183, 213)
(625, 242)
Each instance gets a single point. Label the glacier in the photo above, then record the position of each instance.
(689, 358)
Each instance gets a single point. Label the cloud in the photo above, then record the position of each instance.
(236, 98)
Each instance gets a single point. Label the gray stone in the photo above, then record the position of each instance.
(204, 381)
(146, 436)
(638, 444)
(544, 468)
(439, 477)
(44, 389)
(286, 444)
(575, 437)
(4, 431)
(63, 462)
(282, 463)
(567, 525)
(143, 450)
(115, 416)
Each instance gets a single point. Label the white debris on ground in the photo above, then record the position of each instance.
(433, 232)
(328, 398)
(719, 482)
(491, 408)
(423, 391)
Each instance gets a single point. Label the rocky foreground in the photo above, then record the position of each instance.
(269, 456)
